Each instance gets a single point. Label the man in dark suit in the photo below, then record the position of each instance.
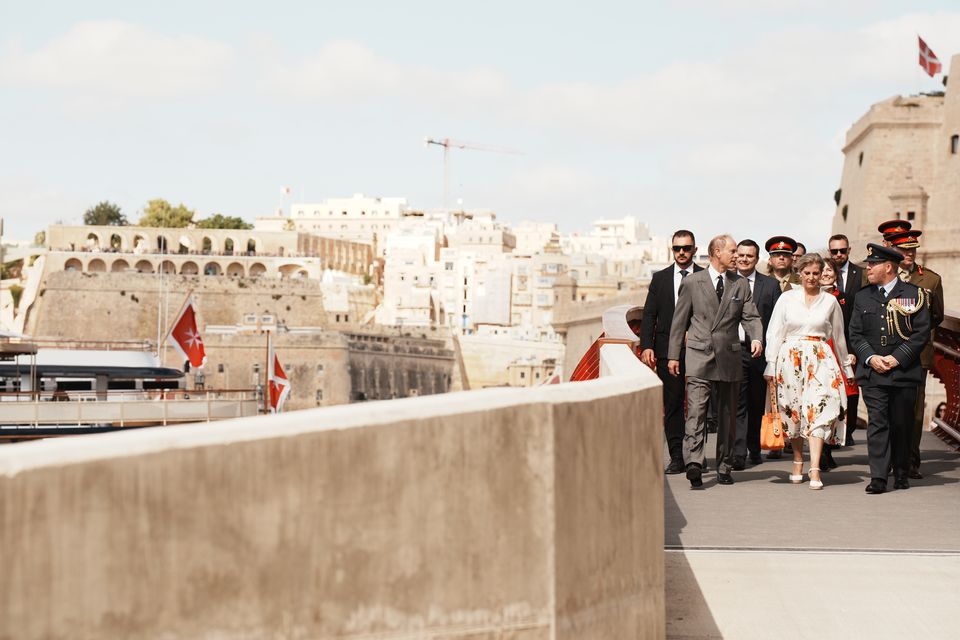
(711, 306)
(850, 278)
(888, 331)
(753, 387)
(655, 336)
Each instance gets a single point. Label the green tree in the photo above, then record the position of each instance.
(105, 213)
(217, 221)
(160, 213)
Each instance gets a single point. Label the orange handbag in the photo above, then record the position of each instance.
(771, 427)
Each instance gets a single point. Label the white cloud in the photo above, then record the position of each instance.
(347, 70)
(117, 59)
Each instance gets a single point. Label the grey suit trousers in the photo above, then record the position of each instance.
(694, 437)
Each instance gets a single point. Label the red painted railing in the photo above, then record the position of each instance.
(946, 368)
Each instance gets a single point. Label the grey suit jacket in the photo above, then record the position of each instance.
(710, 327)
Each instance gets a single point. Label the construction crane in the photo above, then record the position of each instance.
(448, 144)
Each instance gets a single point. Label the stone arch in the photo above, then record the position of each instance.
(302, 274)
(228, 246)
(119, 266)
(251, 246)
(116, 242)
(73, 265)
(163, 243)
(93, 241)
(212, 269)
(206, 245)
(168, 267)
(140, 243)
(257, 269)
(97, 266)
(189, 268)
(289, 270)
(144, 266)
(280, 251)
(235, 270)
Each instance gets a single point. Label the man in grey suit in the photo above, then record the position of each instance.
(712, 304)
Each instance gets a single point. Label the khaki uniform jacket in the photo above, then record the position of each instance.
(929, 281)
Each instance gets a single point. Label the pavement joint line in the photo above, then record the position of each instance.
(813, 550)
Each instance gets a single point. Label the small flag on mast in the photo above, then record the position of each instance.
(285, 190)
(928, 59)
(185, 337)
(277, 382)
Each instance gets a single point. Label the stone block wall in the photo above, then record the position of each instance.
(523, 514)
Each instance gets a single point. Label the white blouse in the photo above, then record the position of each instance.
(792, 318)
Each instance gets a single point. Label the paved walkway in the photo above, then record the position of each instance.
(768, 559)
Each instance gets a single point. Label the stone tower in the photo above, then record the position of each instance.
(902, 160)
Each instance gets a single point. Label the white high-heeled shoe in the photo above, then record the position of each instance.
(815, 484)
(797, 478)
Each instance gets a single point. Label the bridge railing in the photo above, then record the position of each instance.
(946, 368)
(503, 512)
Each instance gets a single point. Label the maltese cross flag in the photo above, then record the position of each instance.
(185, 337)
(928, 59)
(278, 383)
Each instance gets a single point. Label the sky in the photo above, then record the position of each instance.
(722, 116)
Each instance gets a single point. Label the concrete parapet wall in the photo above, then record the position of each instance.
(491, 514)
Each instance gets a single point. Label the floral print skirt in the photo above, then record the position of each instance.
(810, 392)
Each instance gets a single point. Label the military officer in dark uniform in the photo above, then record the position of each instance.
(889, 328)
(906, 242)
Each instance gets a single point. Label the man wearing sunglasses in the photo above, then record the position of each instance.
(850, 279)
(655, 338)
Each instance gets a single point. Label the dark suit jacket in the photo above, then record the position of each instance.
(766, 292)
(658, 311)
(870, 335)
(855, 280)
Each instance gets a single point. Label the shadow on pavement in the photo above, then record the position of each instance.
(687, 614)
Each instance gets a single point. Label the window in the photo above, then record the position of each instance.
(911, 215)
(844, 212)
(861, 159)
(220, 368)
(523, 374)
(320, 368)
(954, 143)
(256, 367)
(319, 396)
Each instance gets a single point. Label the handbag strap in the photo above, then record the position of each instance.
(772, 386)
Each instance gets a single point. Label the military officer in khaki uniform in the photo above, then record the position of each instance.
(906, 242)
(780, 262)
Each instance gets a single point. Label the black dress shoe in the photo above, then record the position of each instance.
(756, 458)
(901, 483)
(739, 463)
(694, 475)
(774, 454)
(675, 466)
(850, 441)
(915, 474)
(724, 478)
(876, 486)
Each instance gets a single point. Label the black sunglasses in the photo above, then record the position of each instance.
(682, 247)
(839, 251)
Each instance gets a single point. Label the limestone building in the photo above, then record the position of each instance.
(902, 161)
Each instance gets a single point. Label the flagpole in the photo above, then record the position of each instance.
(266, 376)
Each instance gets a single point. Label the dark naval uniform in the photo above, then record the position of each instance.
(897, 324)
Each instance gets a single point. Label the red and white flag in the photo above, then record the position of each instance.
(185, 337)
(928, 59)
(277, 383)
